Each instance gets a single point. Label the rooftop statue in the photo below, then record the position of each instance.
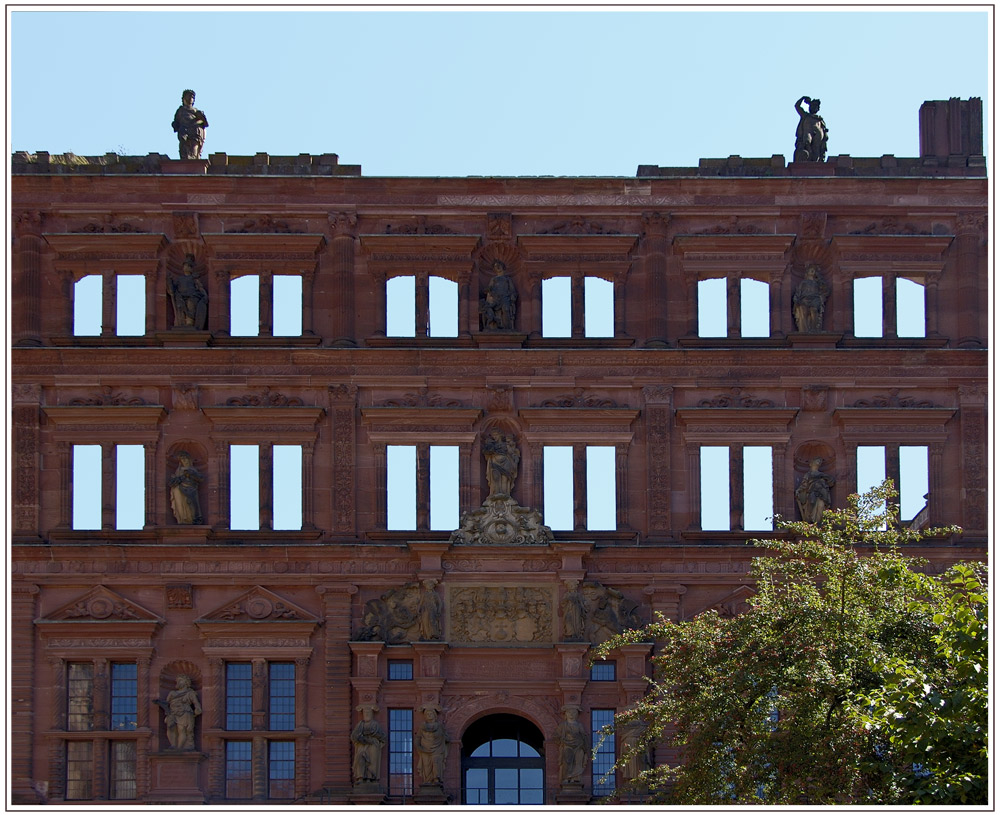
(189, 124)
(811, 134)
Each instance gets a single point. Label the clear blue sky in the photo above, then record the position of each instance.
(488, 92)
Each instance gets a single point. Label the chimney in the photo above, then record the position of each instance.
(951, 129)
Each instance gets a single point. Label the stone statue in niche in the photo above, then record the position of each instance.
(595, 613)
(630, 735)
(189, 124)
(573, 747)
(409, 613)
(813, 494)
(573, 613)
(368, 738)
(180, 710)
(811, 134)
(184, 491)
(502, 459)
(499, 307)
(431, 747)
(189, 297)
(809, 301)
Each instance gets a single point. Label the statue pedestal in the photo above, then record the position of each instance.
(175, 778)
(184, 534)
(198, 167)
(814, 340)
(367, 794)
(572, 793)
(499, 340)
(430, 794)
(181, 338)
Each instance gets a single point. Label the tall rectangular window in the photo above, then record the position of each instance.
(400, 306)
(239, 696)
(281, 707)
(244, 487)
(88, 310)
(122, 777)
(758, 487)
(400, 752)
(287, 486)
(444, 487)
(557, 307)
(401, 487)
(868, 307)
(130, 305)
(124, 696)
(244, 306)
(598, 308)
(79, 770)
(603, 779)
(281, 769)
(911, 318)
(714, 487)
(239, 769)
(287, 305)
(80, 696)
(87, 474)
(130, 487)
(913, 480)
(712, 318)
(557, 486)
(442, 322)
(755, 308)
(601, 499)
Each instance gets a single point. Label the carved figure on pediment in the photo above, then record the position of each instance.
(499, 307)
(502, 459)
(573, 747)
(604, 610)
(809, 301)
(189, 297)
(184, 482)
(368, 738)
(811, 134)
(189, 124)
(409, 613)
(431, 747)
(180, 710)
(813, 492)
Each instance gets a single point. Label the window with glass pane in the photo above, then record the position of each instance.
(122, 771)
(239, 696)
(400, 751)
(282, 703)
(239, 780)
(79, 770)
(400, 670)
(80, 696)
(281, 769)
(603, 671)
(604, 752)
(124, 691)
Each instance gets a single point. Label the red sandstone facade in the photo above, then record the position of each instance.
(104, 620)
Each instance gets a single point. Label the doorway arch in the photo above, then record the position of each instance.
(503, 762)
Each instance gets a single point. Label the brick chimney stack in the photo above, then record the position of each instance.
(952, 131)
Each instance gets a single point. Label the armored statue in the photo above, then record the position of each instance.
(189, 124)
(813, 494)
(809, 301)
(499, 308)
(811, 134)
(180, 710)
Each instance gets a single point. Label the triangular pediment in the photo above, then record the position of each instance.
(100, 605)
(258, 605)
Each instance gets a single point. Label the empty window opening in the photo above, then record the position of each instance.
(602, 778)
(401, 487)
(287, 305)
(755, 314)
(601, 499)
(867, 307)
(444, 487)
(557, 307)
(287, 486)
(244, 306)
(911, 319)
(400, 752)
(87, 306)
(871, 470)
(244, 487)
(443, 307)
(87, 472)
(914, 482)
(130, 304)
(400, 306)
(758, 487)
(714, 487)
(557, 487)
(712, 321)
(599, 307)
(130, 485)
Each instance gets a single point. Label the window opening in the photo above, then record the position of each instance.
(599, 307)
(281, 769)
(443, 307)
(80, 696)
(244, 306)
(79, 770)
(400, 752)
(123, 777)
(444, 487)
(715, 487)
(712, 321)
(400, 306)
(871, 470)
(287, 486)
(601, 499)
(604, 752)
(868, 307)
(758, 487)
(603, 671)
(87, 473)
(239, 780)
(244, 487)
(400, 670)
(911, 318)
(130, 487)
(502, 762)
(239, 696)
(557, 307)
(88, 295)
(914, 482)
(755, 309)
(557, 487)
(287, 305)
(401, 487)
(281, 709)
(124, 697)
(130, 305)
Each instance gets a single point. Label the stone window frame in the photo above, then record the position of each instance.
(578, 428)
(422, 256)
(732, 428)
(889, 257)
(234, 255)
(108, 255)
(762, 257)
(577, 257)
(421, 427)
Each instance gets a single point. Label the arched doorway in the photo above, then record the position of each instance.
(503, 762)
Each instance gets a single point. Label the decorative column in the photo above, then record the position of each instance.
(108, 485)
(219, 304)
(26, 458)
(658, 401)
(666, 599)
(308, 497)
(654, 248)
(932, 282)
(27, 311)
(109, 303)
(338, 711)
(579, 487)
(22, 681)
(619, 305)
(266, 482)
(308, 300)
(65, 464)
(343, 227)
(889, 306)
(265, 306)
(776, 304)
(734, 318)
(149, 452)
(366, 683)
(423, 486)
(975, 496)
(421, 305)
(621, 489)
(735, 488)
(693, 452)
(381, 511)
(342, 409)
(577, 305)
(531, 306)
(221, 510)
(468, 309)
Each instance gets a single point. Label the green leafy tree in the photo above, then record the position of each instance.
(835, 686)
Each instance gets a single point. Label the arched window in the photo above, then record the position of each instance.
(502, 762)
